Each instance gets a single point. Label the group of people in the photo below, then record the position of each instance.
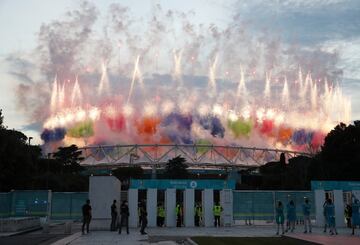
(179, 214)
(352, 215)
(291, 216)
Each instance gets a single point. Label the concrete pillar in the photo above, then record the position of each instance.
(151, 206)
(226, 200)
(339, 208)
(133, 199)
(102, 191)
(189, 205)
(319, 210)
(170, 204)
(208, 204)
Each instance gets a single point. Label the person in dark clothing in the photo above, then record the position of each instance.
(86, 211)
(114, 215)
(124, 213)
(143, 218)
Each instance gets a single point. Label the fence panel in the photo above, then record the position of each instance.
(67, 205)
(259, 205)
(29, 203)
(5, 205)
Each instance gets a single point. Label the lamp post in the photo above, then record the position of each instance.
(30, 138)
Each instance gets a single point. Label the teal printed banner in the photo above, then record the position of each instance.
(181, 184)
(335, 185)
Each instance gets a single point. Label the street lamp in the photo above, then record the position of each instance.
(30, 138)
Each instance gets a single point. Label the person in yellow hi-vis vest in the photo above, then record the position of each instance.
(217, 213)
(179, 214)
(198, 214)
(160, 215)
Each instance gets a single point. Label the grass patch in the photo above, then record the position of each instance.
(249, 241)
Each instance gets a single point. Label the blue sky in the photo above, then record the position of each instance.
(330, 26)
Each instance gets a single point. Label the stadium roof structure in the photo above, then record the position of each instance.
(213, 156)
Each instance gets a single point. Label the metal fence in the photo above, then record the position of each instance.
(247, 205)
(260, 205)
(60, 205)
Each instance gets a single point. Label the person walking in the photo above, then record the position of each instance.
(279, 217)
(86, 212)
(348, 215)
(160, 215)
(355, 215)
(124, 213)
(198, 214)
(306, 208)
(114, 216)
(324, 213)
(330, 217)
(291, 215)
(143, 219)
(217, 213)
(179, 214)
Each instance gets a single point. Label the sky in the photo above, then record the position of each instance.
(328, 29)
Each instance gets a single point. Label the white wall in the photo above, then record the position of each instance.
(339, 208)
(170, 204)
(133, 196)
(189, 205)
(151, 206)
(226, 200)
(319, 211)
(102, 191)
(208, 204)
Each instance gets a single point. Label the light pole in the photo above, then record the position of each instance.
(30, 138)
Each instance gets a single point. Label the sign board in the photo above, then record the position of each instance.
(335, 185)
(181, 184)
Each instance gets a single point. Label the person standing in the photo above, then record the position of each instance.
(198, 214)
(279, 217)
(160, 215)
(324, 213)
(306, 208)
(355, 215)
(217, 213)
(348, 215)
(178, 212)
(330, 217)
(291, 215)
(114, 215)
(124, 213)
(86, 212)
(143, 219)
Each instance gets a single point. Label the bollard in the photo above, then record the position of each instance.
(68, 227)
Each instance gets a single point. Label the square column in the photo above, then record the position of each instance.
(189, 205)
(170, 204)
(339, 208)
(102, 191)
(208, 204)
(133, 196)
(151, 206)
(319, 209)
(226, 200)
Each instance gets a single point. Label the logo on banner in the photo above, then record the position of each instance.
(193, 184)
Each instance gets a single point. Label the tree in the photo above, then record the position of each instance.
(340, 155)
(70, 157)
(176, 168)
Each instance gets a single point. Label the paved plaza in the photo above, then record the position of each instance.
(164, 236)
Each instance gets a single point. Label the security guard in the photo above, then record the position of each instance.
(198, 214)
(217, 213)
(160, 215)
(179, 213)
